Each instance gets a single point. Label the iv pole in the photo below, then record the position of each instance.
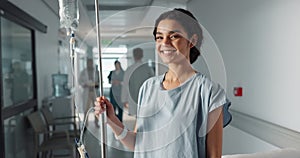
(102, 116)
(72, 53)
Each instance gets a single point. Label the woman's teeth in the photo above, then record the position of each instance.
(168, 51)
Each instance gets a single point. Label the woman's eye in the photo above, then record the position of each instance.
(158, 38)
(174, 37)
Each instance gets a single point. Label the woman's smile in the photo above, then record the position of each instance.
(168, 51)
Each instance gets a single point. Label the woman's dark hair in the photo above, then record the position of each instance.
(189, 23)
(117, 61)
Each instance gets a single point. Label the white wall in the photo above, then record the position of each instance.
(46, 44)
(259, 42)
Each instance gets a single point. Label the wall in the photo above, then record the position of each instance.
(258, 40)
(46, 44)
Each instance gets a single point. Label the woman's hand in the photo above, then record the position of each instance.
(103, 105)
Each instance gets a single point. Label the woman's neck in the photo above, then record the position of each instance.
(176, 75)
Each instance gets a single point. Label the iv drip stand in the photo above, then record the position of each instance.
(103, 115)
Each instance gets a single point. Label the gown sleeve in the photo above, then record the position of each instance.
(217, 97)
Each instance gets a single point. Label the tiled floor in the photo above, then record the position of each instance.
(114, 148)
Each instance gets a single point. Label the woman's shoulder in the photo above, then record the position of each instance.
(205, 81)
(150, 85)
(153, 80)
(201, 78)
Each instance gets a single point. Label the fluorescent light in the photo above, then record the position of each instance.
(106, 55)
(111, 50)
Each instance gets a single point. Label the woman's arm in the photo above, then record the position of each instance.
(215, 133)
(115, 124)
(117, 127)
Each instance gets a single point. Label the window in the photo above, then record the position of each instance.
(17, 69)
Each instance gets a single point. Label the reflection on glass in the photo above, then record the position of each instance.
(16, 49)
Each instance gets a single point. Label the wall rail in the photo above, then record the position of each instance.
(266, 131)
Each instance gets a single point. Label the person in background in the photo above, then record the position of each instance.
(134, 77)
(115, 78)
(88, 81)
(20, 83)
(182, 112)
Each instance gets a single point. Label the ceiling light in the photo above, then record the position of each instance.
(111, 50)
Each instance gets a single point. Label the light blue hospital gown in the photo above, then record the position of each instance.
(172, 123)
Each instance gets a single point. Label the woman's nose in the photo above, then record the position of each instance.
(166, 41)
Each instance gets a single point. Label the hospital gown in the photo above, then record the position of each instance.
(172, 123)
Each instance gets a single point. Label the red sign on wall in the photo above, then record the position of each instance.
(238, 91)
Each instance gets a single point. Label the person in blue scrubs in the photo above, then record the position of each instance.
(181, 114)
(115, 78)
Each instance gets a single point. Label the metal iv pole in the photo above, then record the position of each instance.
(103, 115)
(67, 15)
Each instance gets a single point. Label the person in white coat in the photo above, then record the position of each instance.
(88, 82)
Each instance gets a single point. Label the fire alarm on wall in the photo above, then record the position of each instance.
(238, 91)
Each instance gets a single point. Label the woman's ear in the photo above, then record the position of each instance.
(193, 40)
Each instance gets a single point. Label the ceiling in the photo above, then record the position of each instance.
(122, 22)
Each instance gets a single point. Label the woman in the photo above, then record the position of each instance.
(115, 78)
(180, 113)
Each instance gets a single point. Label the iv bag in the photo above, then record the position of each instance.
(69, 14)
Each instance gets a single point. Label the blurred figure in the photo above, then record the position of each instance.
(88, 81)
(115, 78)
(134, 77)
(20, 83)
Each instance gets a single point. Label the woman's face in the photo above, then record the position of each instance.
(118, 66)
(172, 42)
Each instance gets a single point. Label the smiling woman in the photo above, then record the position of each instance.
(180, 113)
(170, 43)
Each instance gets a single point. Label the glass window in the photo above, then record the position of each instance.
(16, 49)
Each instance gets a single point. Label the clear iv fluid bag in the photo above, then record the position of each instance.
(69, 14)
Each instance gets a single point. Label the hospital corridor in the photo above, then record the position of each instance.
(149, 78)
